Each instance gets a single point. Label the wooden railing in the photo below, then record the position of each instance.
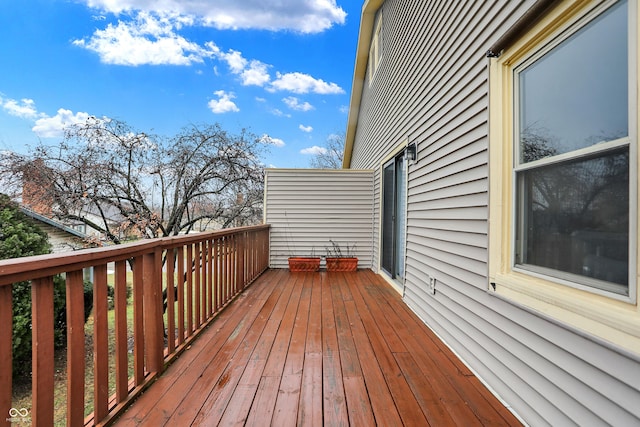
(194, 275)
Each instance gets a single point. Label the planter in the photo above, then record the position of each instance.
(304, 263)
(342, 264)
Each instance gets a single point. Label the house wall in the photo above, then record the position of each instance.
(307, 208)
(431, 87)
(60, 240)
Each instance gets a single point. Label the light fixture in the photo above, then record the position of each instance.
(412, 152)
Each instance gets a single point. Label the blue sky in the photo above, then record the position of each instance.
(281, 68)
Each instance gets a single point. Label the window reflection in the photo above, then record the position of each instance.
(574, 217)
(576, 95)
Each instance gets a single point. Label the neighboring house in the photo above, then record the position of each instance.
(61, 237)
(513, 233)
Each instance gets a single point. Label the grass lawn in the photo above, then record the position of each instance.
(22, 392)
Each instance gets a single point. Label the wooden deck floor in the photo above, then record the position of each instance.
(317, 349)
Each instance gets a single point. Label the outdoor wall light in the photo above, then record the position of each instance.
(412, 152)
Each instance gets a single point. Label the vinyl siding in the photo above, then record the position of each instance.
(60, 240)
(431, 87)
(307, 208)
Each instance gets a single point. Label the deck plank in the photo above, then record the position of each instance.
(334, 401)
(382, 404)
(157, 404)
(216, 402)
(317, 349)
(384, 340)
(466, 402)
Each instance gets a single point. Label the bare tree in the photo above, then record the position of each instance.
(332, 154)
(135, 183)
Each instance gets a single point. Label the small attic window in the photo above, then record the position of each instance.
(375, 51)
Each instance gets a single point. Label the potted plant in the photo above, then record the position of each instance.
(339, 259)
(296, 262)
(304, 263)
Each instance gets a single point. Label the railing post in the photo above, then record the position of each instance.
(138, 323)
(152, 301)
(6, 362)
(215, 275)
(75, 348)
(189, 296)
(171, 300)
(197, 283)
(210, 281)
(122, 368)
(241, 259)
(100, 344)
(180, 285)
(42, 351)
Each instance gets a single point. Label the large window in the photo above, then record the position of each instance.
(571, 163)
(563, 168)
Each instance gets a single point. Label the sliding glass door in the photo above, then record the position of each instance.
(394, 221)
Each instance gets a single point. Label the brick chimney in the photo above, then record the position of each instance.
(36, 188)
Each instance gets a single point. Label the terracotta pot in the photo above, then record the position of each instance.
(342, 264)
(304, 263)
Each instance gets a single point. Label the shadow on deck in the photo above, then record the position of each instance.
(317, 349)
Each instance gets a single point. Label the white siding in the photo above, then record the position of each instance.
(60, 240)
(432, 88)
(307, 208)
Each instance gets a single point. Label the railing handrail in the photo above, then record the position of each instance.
(15, 270)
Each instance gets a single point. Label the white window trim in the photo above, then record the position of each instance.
(605, 314)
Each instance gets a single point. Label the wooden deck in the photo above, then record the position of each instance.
(317, 349)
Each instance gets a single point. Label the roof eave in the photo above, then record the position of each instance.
(369, 10)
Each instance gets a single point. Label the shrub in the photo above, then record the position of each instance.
(20, 237)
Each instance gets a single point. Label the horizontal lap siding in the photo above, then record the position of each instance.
(431, 87)
(306, 208)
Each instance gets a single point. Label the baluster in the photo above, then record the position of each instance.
(138, 323)
(122, 342)
(100, 344)
(6, 363)
(42, 351)
(75, 348)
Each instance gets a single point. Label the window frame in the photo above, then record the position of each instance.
(602, 312)
(595, 150)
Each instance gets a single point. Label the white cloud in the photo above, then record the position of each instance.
(266, 139)
(256, 74)
(314, 150)
(44, 125)
(149, 39)
(305, 16)
(280, 113)
(305, 128)
(251, 72)
(234, 60)
(150, 36)
(25, 109)
(344, 109)
(293, 103)
(224, 103)
(53, 127)
(303, 83)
